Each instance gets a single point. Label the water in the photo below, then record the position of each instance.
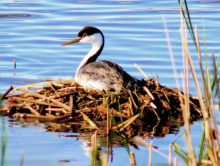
(32, 31)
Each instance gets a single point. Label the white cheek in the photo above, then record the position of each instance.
(95, 38)
(88, 39)
(85, 40)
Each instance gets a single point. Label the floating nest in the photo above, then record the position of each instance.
(150, 107)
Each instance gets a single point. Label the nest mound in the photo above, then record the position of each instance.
(67, 101)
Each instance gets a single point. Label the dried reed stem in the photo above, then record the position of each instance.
(175, 161)
(149, 93)
(132, 119)
(142, 72)
(20, 115)
(132, 159)
(209, 134)
(94, 148)
(170, 155)
(32, 110)
(46, 98)
(4, 94)
(126, 123)
(186, 111)
(150, 155)
(86, 118)
(104, 159)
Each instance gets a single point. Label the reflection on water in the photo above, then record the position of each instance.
(104, 141)
(133, 136)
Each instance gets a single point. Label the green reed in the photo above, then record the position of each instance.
(121, 134)
(4, 132)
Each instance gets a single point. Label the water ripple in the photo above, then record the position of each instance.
(15, 15)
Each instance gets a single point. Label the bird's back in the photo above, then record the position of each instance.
(105, 75)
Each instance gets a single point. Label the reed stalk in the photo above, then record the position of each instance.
(150, 155)
(94, 149)
(210, 136)
(186, 108)
(170, 155)
(22, 158)
(132, 159)
(4, 132)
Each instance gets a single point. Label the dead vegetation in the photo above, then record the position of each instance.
(68, 102)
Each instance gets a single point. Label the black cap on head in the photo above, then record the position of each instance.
(88, 30)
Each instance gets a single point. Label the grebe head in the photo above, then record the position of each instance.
(88, 34)
(92, 35)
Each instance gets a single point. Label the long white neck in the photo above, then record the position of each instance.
(97, 46)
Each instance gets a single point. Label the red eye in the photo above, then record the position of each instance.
(83, 36)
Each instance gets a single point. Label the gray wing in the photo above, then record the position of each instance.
(108, 75)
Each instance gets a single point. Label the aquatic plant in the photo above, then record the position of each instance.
(209, 152)
(4, 133)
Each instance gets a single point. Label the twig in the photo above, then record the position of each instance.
(4, 94)
(86, 118)
(31, 109)
(47, 98)
(149, 93)
(142, 72)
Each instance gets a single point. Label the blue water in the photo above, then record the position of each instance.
(31, 32)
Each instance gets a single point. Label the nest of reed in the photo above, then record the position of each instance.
(67, 102)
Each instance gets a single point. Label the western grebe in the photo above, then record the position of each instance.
(102, 75)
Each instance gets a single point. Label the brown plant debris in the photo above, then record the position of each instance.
(69, 102)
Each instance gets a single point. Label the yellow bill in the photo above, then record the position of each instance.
(72, 41)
